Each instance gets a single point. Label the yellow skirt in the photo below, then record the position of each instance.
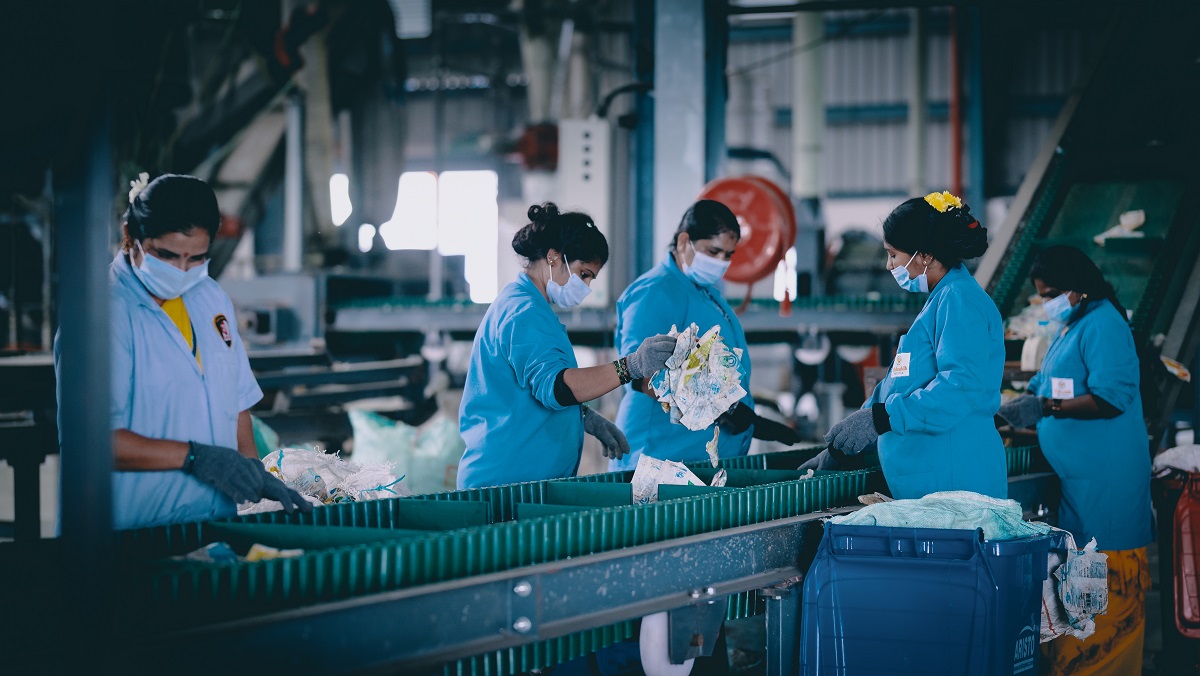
(1116, 647)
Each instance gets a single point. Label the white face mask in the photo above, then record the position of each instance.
(705, 269)
(164, 280)
(907, 281)
(566, 295)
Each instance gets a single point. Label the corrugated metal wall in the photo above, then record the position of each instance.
(866, 83)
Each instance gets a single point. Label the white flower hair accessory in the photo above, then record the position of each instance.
(137, 185)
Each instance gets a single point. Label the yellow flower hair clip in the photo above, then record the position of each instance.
(943, 201)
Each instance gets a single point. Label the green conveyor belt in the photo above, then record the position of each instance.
(197, 594)
(378, 546)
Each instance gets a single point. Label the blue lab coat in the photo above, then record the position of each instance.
(943, 434)
(1104, 465)
(663, 297)
(160, 392)
(514, 428)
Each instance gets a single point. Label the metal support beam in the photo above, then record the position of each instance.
(917, 108)
(976, 147)
(84, 218)
(641, 179)
(808, 107)
(716, 56)
(293, 186)
(418, 629)
(680, 106)
(783, 627)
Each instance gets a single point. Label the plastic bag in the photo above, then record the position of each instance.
(999, 519)
(427, 455)
(1075, 591)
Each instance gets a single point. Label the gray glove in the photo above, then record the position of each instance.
(609, 435)
(226, 470)
(274, 489)
(1023, 412)
(854, 433)
(650, 356)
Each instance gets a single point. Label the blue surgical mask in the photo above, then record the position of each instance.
(1059, 308)
(164, 280)
(908, 282)
(705, 269)
(567, 295)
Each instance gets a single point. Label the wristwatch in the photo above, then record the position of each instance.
(1056, 405)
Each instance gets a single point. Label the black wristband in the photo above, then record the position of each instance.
(879, 414)
(562, 392)
(190, 459)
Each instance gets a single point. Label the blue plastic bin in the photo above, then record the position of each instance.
(922, 601)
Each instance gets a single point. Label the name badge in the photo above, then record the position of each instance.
(900, 366)
(1062, 388)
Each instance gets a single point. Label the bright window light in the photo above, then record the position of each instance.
(785, 276)
(414, 222)
(366, 237)
(339, 198)
(468, 225)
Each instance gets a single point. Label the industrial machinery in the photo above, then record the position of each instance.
(500, 580)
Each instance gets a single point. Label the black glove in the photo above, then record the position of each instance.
(769, 430)
(651, 356)
(834, 460)
(825, 460)
(737, 419)
(274, 489)
(1023, 412)
(854, 433)
(609, 435)
(226, 470)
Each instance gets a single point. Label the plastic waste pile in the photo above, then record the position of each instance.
(702, 379)
(326, 479)
(652, 472)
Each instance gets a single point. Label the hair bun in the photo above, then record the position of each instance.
(541, 213)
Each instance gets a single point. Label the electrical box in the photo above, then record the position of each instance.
(585, 184)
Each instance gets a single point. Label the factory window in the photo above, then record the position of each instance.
(339, 198)
(414, 222)
(468, 225)
(785, 276)
(366, 237)
(455, 212)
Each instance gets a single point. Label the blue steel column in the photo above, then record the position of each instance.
(976, 167)
(716, 55)
(641, 183)
(85, 224)
(783, 629)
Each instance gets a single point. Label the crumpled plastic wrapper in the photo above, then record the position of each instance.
(326, 479)
(221, 552)
(1127, 226)
(702, 379)
(652, 472)
(712, 449)
(1075, 591)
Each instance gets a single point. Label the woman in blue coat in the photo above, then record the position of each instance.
(521, 414)
(932, 416)
(1087, 407)
(182, 443)
(685, 289)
